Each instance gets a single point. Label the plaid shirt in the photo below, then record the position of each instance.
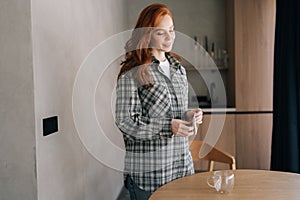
(153, 155)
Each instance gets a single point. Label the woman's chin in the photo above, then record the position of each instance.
(167, 49)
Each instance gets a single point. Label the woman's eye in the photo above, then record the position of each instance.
(160, 33)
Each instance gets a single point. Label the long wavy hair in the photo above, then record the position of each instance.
(138, 52)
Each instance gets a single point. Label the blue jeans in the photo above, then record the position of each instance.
(135, 192)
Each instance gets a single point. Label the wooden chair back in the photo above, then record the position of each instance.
(215, 155)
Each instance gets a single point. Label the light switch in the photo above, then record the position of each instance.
(50, 125)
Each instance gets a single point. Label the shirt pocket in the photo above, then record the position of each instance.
(155, 101)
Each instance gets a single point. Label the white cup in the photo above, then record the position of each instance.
(193, 122)
(194, 125)
(222, 181)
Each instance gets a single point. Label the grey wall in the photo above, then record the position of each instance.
(64, 32)
(17, 131)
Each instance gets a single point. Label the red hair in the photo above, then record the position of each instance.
(138, 53)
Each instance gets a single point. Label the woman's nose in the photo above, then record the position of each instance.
(168, 37)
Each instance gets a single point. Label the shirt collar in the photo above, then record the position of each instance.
(173, 61)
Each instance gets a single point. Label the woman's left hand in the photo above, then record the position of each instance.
(197, 113)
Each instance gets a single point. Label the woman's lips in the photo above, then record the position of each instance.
(167, 45)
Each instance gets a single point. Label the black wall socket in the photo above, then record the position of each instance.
(50, 125)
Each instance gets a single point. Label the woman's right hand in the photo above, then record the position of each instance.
(180, 128)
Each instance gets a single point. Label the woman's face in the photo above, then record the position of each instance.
(163, 35)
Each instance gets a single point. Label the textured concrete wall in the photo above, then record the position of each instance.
(17, 130)
(64, 32)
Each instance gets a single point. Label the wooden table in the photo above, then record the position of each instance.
(249, 184)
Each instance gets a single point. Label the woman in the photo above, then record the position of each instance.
(152, 99)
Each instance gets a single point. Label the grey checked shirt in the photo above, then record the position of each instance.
(154, 156)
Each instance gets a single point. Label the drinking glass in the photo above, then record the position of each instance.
(222, 181)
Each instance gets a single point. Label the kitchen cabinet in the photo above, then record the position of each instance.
(253, 47)
(225, 142)
(254, 31)
(253, 141)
